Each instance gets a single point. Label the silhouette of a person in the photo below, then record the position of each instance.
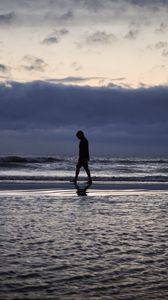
(83, 156)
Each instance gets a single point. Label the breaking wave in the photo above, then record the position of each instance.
(103, 169)
(9, 160)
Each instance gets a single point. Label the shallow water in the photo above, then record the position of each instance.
(111, 245)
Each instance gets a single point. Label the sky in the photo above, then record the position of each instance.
(99, 66)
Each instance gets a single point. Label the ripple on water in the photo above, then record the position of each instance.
(99, 247)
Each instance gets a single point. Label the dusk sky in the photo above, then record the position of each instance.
(99, 66)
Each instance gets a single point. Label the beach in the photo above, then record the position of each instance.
(61, 242)
(83, 150)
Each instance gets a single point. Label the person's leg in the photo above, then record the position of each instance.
(78, 166)
(76, 173)
(88, 173)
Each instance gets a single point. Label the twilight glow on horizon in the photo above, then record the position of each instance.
(84, 42)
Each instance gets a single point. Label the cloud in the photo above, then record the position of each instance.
(160, 45)
(34, 63)
(153, 3)
(81, 3)
(76, 67)
(70, 79)
(74, 79)
(50, 40)
(7, 18)
(80, 79)
(4, 68)
(100, 37)
(55, 37)
(78, 12)
(162, 28)
(132, 34)
(165, 52)
(118, 78)
(94, 5)
(67, 16)
(116, 117)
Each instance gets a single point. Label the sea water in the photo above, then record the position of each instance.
(102, 168)
(110, 244)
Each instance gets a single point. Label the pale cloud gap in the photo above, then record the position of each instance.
(126, 17)
(120, 118)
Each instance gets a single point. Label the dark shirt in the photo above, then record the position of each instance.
(84, 149)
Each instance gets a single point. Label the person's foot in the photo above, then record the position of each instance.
(89, 181)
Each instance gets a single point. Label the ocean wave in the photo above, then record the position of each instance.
(11, 159)
(21, 159)
(135, 161)
(95, 178)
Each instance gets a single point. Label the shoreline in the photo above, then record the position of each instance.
(105, 186)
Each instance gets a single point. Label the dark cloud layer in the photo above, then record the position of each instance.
(75, 11)
(125, 121)
(148, 3)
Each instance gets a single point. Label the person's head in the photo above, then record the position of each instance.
(80, 135)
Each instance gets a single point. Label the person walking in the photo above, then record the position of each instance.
(83, 156)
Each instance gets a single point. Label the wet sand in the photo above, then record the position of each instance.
(109, 244)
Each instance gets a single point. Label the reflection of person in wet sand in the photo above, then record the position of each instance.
(82, 191)
(83, 156)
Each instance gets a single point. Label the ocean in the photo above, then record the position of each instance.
(110, 243)
(103, 169)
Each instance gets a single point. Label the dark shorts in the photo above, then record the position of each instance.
(82, 163)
